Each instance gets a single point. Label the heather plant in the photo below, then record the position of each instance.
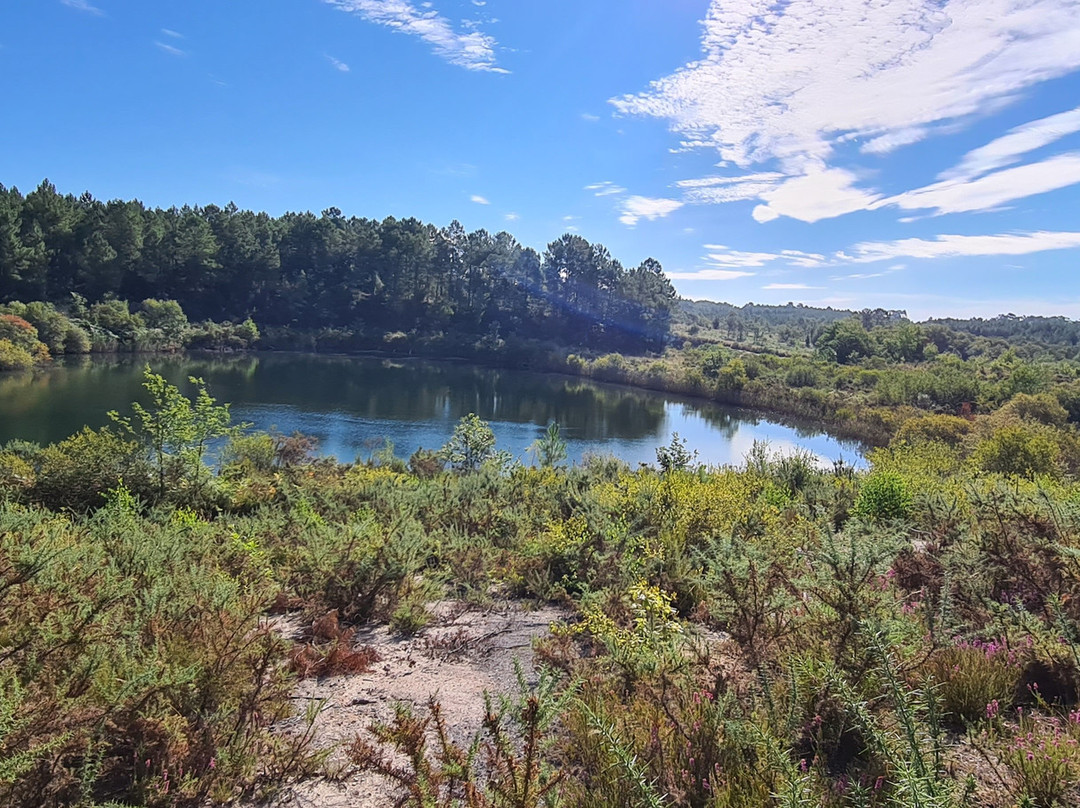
(1044, 759)
(975, 680)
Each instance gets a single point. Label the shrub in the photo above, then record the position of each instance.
(77, 472)
(16, 475)
(13, 357)
(883, 496)
(470, 446)
(1045, 760)
(250, 452)
(949, 429)
(1018, 450)
(1042, 408)
(610, 368)
(975, 680)
(425, 463)
(802, 376)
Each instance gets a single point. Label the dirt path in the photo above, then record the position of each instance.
(465, 653)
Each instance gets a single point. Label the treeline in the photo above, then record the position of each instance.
(1044, 330)
(364, 278)
(37, 331)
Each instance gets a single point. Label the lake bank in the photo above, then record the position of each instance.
(353, 404)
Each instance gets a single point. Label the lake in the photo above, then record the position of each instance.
(353, 404)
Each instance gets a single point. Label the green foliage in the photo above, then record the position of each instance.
(471, 445)
(251, 453)
(976, 681)
(176, 430)
(1018, 450)
(675, 456)
(1042, 408)
(883, 496)
(948, 429)
(77, 472)
(549, 449)
(411, 281)
(13, 357)
(732, 637)
(844, 341)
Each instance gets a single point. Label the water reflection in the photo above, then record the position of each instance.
(353, 403)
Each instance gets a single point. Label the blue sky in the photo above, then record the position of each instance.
(914, 154)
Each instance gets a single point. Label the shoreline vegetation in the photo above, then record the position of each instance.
(768, 634)
(732, 635)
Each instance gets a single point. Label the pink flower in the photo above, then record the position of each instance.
(992, 710)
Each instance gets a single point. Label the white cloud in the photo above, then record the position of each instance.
(479, 200)
(588, 116)
(778, 286)
(472, 49)
(83, 5)
(819, 193)
(712, 190)
(511, 217)
(636, 208)
(337, 64)
(782, 78)
(720, 255)
(709, 275)
(170, 49)
(172, 33)
(1018, 141)
(705, 182)
(797, 258)
(605, 189)
(787, 81)
(883, 144)
(953, 246)
(963, 194)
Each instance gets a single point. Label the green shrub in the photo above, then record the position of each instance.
(948, 429)
(13, 357)
(1018, 450)
(802, 376)
(883, 496)
(975, 681)
(1042, 408)
(250, 452)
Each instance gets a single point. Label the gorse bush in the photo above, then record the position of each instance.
(883, 496)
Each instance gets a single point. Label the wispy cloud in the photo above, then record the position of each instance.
(789, 286)
(471, 49)
(709, 275)
(636, 208)
(954, 246)
(993, 190)
(172, 50)
(479, 200)
(1018, 141)
(171, 33)
(720, 255)
(511, 216)
(589, 117)
(337, 63)
(786, 82)
(605, 189)
(83, 5)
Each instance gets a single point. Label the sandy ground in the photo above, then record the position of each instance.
(465, 652)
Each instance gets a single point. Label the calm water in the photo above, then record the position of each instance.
(353, 404)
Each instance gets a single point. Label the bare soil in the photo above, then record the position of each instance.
(466, 652)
